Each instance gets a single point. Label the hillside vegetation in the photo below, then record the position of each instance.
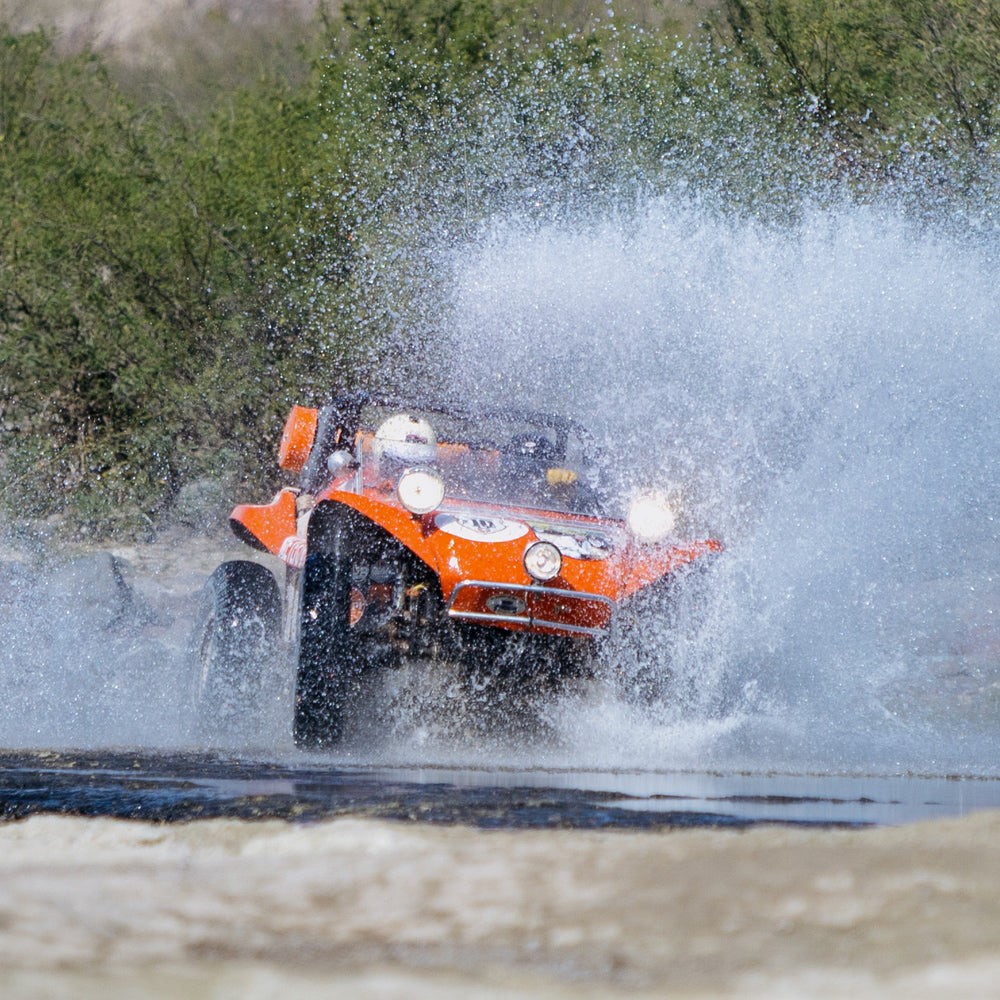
(177, 265)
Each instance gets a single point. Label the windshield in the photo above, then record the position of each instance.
(523, 460)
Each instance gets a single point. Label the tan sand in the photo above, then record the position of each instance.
(369, 909)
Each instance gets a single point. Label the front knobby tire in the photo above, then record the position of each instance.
(236, 635)
(329, 671)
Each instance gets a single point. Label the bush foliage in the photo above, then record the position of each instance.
(170, 280)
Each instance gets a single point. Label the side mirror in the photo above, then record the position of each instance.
(339, 460)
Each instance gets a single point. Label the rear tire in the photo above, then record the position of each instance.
(236, 634)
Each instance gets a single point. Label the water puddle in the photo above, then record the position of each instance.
(186, 786)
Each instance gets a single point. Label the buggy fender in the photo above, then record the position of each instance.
(266, 526)
(451, 559)
(410, 531)
(645, 568)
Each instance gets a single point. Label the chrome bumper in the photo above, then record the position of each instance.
(492, 587)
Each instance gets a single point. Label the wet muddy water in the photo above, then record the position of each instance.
(180, 786)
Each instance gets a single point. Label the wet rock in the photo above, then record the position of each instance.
(93, 587)
(202, 505)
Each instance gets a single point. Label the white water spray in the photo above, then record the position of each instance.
(828, 395)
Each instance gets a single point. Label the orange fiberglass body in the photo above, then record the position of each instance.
(484, 540)
(476, 548)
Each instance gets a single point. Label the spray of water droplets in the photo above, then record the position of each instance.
(819, 383)
(825, 394)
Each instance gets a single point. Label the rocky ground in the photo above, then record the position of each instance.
(93, 638)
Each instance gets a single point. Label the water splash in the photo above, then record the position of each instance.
(827, 393)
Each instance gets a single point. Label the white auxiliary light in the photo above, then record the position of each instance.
(651, 517)
(420, 491)
(543, 561)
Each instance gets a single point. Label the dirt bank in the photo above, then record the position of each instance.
(134, 29)
(369, 909)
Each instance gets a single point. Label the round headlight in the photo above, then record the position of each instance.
(651, 517)
(543, 561)
(420, 491)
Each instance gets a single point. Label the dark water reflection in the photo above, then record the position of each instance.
(184, 786)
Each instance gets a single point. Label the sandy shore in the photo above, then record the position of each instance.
(369, 909)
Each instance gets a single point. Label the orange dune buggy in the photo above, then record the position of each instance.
(422, 532)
